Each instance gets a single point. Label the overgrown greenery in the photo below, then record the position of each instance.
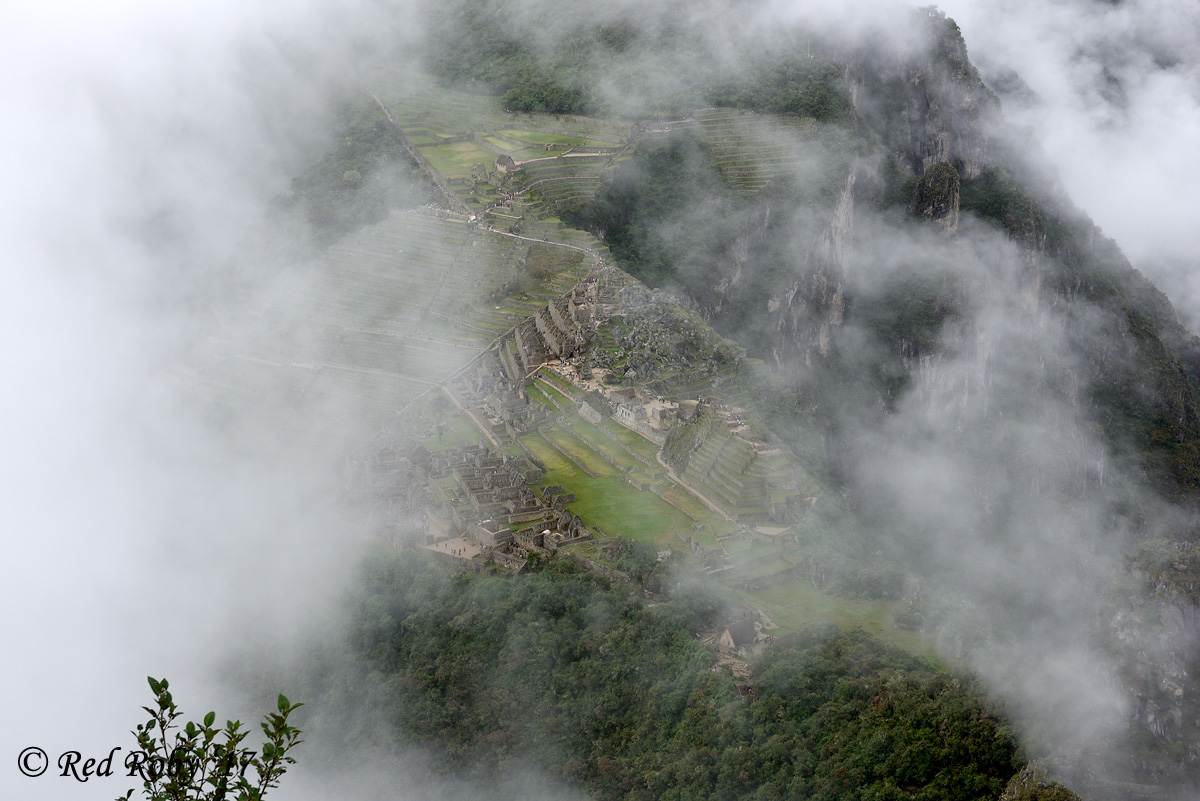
(806, 87)
(482, 45)
(558, 672)
(205, 762)
(936, 195)
(635, 209)
(366, 173)
(538, 57)
(686, 438)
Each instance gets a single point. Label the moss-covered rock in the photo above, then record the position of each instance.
(936, 195)
(1034, 784)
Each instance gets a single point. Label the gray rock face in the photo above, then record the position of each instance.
(815, 303)
(936, 195)
(929, 106)
(1157, 632)
(1074, 327)
(930, 112)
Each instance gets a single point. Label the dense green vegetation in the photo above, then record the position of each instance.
(481, 46)
(665, 178)
(937, 193)
(366, 173)
(558, 672)
(552, 58)
(807, 87)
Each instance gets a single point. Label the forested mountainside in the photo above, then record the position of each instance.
(560, 674)
(1008, 409)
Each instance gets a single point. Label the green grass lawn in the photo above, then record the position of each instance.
(602, 443)
(686, 500)
(620, 509)
(553, 392)
(559, 468)
(561, 384)
(537, 396)
(455, 160)
(639, 477)
(520, 151)
(706, 539)
(579, 449)
(791, 604)
(632, 439)
(610, 503)
(457, 429)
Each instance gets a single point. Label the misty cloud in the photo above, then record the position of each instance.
(1114, 99)
(987, 478)
(139, 149)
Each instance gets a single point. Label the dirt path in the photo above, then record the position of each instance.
(692, 491)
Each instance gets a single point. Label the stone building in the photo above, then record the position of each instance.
(738, 637)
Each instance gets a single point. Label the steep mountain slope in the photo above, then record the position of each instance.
(1009, 409)
(1012, 408)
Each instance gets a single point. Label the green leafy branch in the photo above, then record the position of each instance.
(205, 762)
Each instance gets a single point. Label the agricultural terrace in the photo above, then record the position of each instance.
(461, 135)
(389, 311)
(423, 109)
(793, 604)
(750, 149)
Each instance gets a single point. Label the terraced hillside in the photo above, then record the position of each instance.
(559, 180)
(751, 150)
(388, 312)
(746, 481)
(395, 309)
(462, 135)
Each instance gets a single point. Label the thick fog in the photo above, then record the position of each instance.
(1111, 91)
(987, 478)
(141, 140)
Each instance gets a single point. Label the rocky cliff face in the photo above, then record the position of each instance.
(929, 105)
(1155, 625)
(1032, 347)
(813, 306)
(928, 114)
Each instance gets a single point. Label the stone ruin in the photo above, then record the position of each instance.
(487, 495)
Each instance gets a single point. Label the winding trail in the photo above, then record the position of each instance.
(693, 491)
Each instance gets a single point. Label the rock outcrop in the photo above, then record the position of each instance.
(928, 105)
(936, 196)
(1033, 783)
